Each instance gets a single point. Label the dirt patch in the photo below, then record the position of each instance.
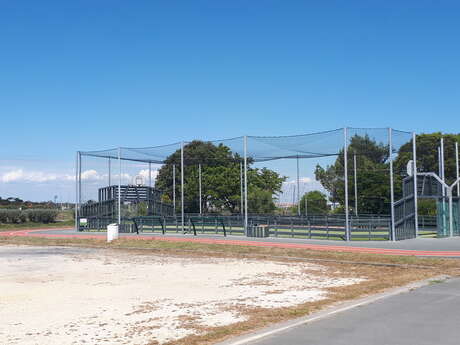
(176, 297)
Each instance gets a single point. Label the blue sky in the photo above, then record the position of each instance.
(84, 75)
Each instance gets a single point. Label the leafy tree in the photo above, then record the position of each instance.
(260, 201)
(427, 154)
(220, 176)
(373, 180)
(316, 203)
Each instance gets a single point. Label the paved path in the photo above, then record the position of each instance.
(446, 247)
(426, 316)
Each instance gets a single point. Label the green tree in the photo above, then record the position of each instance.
(220, 171)
(260, 201)
(373, 178)
(427, 154)
(315, 202)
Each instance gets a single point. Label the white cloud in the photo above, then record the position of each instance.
(18, 175)
(305, 180)
(91, 175)
(145, 174)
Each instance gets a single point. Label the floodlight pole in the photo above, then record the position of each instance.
(457, 169)
(245, 148)
(119, 186)
(298, 188)
(414, 156)
(182, 183)
(392, 193)
(174, 188)
(110, 173)
(345, 161)
(77, 169)
(150, 174)
(241, 189)
(356, 184)
(199, 185)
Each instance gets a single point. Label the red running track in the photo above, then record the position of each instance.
(322, 247)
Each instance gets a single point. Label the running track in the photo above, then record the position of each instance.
(273, 243)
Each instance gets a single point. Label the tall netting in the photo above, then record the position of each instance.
(284, 186)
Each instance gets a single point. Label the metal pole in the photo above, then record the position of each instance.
(110, 173)
(457, 169)
(451, 213)
(443, 173)
(150, 174)
(174, 189)
(119, 186)
(392, 194)
(79, 179)
(414, 156)
(245, 145)
(306, 204)
(199, 185)
(439, 163)
(345, 163)
(443, 178)
(356, 184)
(241, 189)
(76, 190)
(298, 188)
(182, 183)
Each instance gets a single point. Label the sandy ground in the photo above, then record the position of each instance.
(89, 296)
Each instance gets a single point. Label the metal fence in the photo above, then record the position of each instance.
(331, 227)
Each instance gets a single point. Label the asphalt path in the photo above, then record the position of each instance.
(429, 315)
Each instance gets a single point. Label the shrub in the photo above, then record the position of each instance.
(4, 216)
(42, 215)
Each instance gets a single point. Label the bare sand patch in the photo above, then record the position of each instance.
(114, 297)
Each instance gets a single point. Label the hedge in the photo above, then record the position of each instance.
(31, 215)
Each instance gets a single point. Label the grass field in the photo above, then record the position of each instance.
(379, 272)
(30, 225)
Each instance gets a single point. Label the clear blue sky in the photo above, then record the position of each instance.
(84, 75)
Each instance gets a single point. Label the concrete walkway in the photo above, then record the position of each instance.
(426, 316)
(445, 247)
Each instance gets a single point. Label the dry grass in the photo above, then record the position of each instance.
(382, 273)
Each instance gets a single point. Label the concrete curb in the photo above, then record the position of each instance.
(329, 311)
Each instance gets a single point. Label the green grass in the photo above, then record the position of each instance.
(30, 225)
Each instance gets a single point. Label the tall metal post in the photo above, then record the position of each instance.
(79, 179)
(306, 204)
(110, 172)
(356, 184)
(241, 190)
(199, 186)
(392, 193)
(245, 145)
(345, 166)
(443, 178)
(451, 213)
(414, 156)
(182, 184)
(443, 172)
(298, 188)
(174, 189)
(77, 169)
(119, 186)
(457, 169)
(150, 174)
